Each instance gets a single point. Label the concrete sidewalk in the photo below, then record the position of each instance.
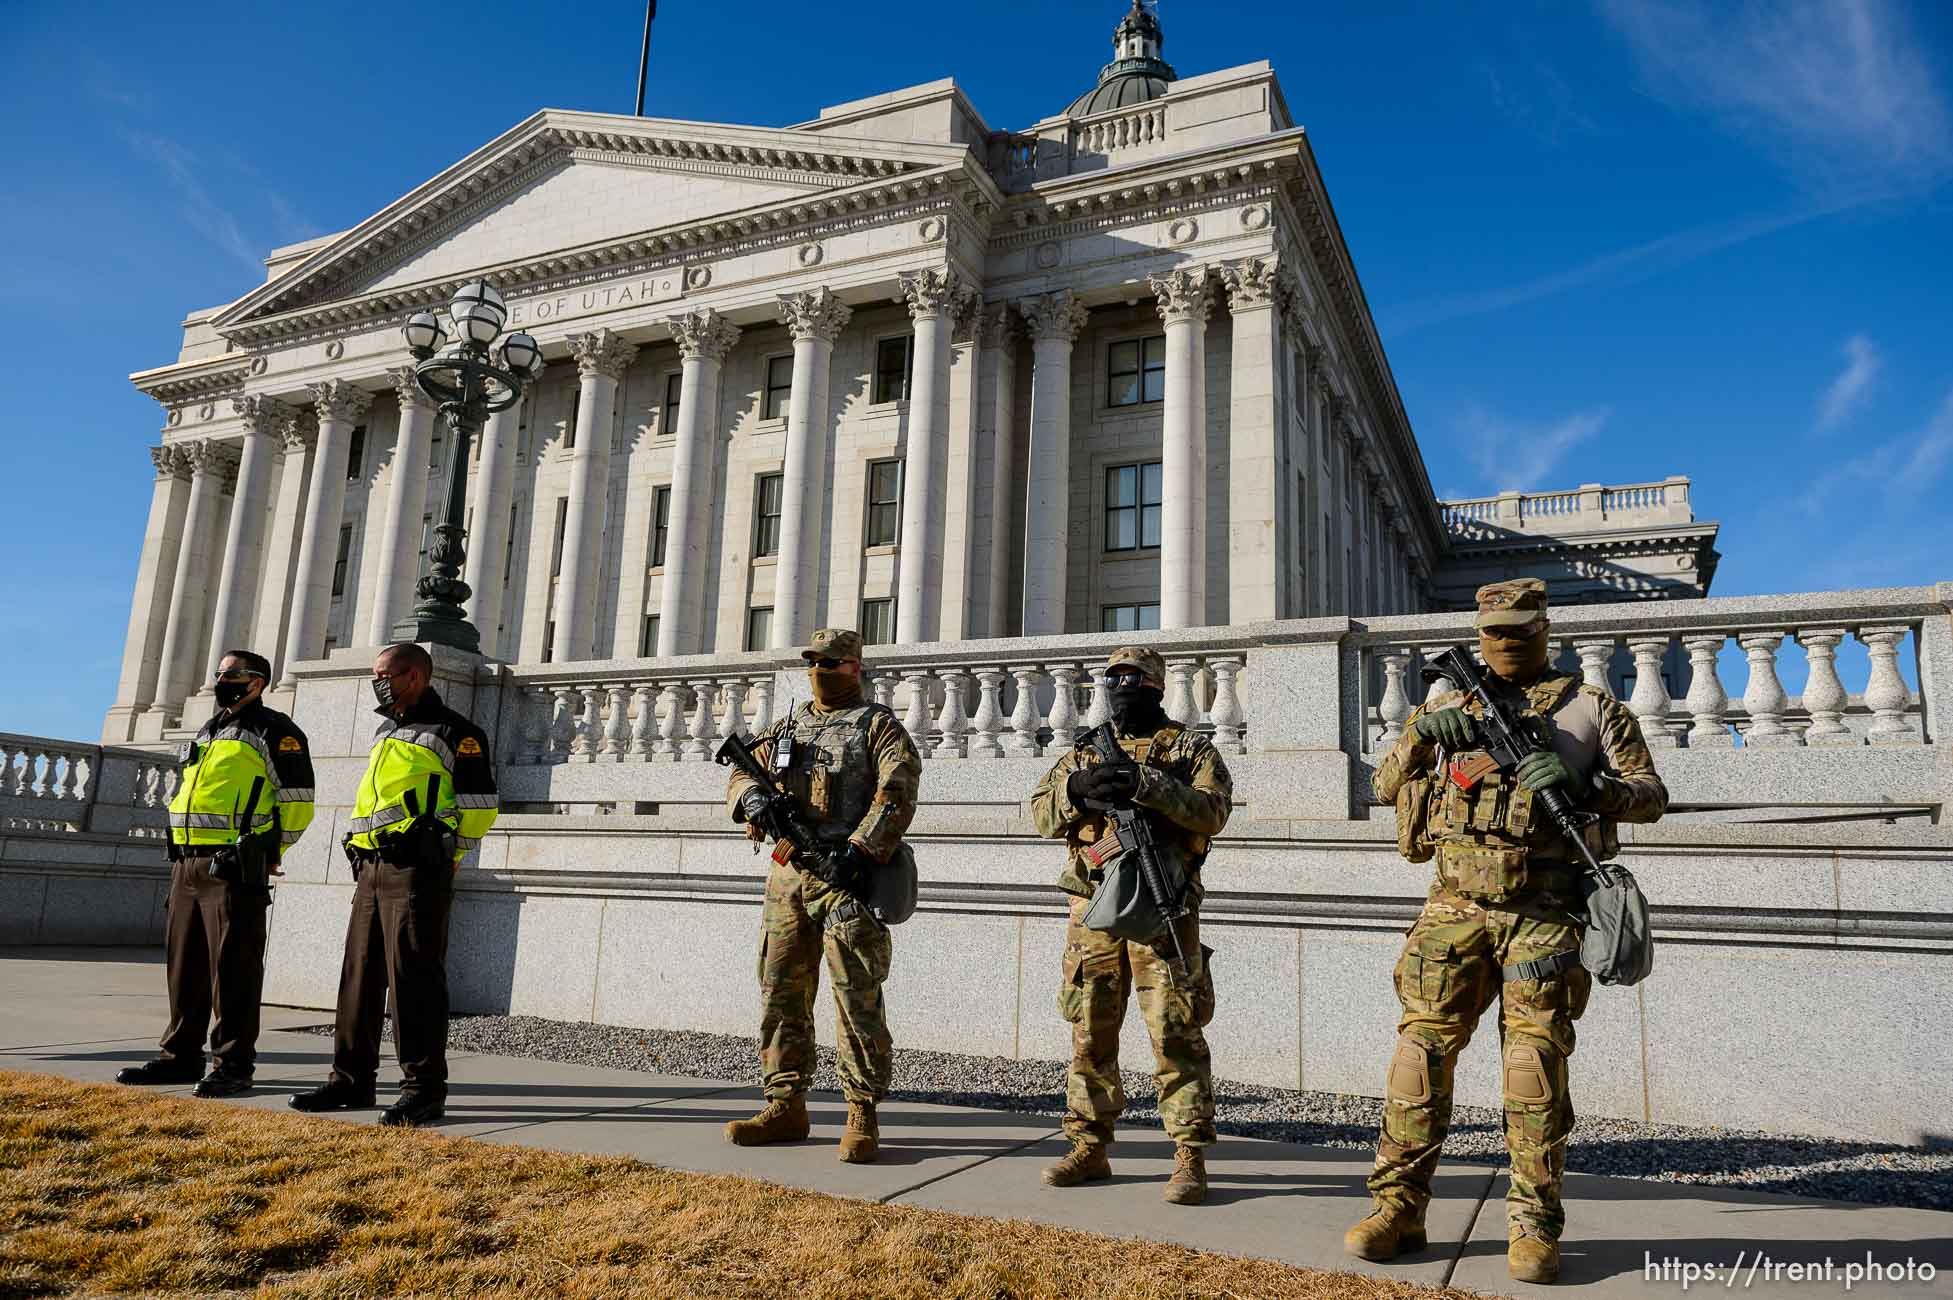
(84, 1014)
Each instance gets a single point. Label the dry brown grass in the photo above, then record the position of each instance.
(107, 1190)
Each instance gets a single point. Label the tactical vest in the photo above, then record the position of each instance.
(1490, 837)
(822, 759)
(1189, 849)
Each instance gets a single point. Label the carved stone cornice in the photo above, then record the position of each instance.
(197, 380)
(996, 325)
(300, 432)
(935, 292)
(169, 462)
(1050, 316)
(815, 314)
(406, 391)
(262, 415)
(703, 335)
(602, 352)
(340, 400)
(1259, 282)
(1186, 293)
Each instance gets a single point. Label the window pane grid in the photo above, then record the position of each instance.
(1132, 506)
(766, 540)
(779, 387)
(884, 502)
(1136, 371)
(892, 369)
(661, 512)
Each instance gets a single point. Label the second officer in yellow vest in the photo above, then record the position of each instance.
(427, 797)
(243, 797)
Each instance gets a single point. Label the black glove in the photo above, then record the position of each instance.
(1451, 728)
(1102, 786)
(759, 812)
(854, 868)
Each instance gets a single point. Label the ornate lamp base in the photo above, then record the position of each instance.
(457, 633)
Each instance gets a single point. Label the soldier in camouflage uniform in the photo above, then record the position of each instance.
(1184, 787)
(1497, 923)
(856, 774)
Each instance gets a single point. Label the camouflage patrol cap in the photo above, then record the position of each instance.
(833, 643)
(1147, 661)
(1511, 604)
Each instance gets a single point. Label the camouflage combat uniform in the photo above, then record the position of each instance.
(857, 773)
(1187, 792)
(1505, 884)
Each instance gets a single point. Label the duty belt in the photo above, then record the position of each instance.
(1540, 967)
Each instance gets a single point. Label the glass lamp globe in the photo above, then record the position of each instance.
(521, 355)
(423, 331)
(478, 312)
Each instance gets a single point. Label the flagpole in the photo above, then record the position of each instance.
(644, 54)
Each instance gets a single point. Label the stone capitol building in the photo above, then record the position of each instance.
(888, 368)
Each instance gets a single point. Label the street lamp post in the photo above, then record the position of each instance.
(469, 382)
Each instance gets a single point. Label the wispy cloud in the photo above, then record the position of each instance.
(1534, 97)
(1847, 391)
(1511, 455)
(199, 208)
(292, 225)
(1837, 89)
(1895, 475)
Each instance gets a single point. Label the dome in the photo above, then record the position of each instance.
(1137, 73)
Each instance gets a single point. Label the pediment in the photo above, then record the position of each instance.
(562, 182)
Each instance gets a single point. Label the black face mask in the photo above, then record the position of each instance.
(1137, 708)
(383, 692)
(229, 693)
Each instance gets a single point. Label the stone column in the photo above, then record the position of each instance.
(177, 671)
(996, 339)
(393, 588)
(1184, 297)
(277, 599)
(1054, 320)
(814, 319)
(488, 543)
(339, 407)
(956, 605)
(1258, 292)
(149, 610)
(601, 359)
(704, 338)
(265, 419)
(934, 296)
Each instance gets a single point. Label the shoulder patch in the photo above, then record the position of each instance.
(290, 745)
(469, 746)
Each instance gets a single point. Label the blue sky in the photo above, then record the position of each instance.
(1620, 240)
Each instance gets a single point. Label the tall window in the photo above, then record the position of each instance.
(556, 542)
(884, 502)
(339, 561)
(668, 423)
(508, 553)
(759, 627)
(894, 362)
(878, 621)
(647, 646)
(1130, 618)
(569, 425)
(1302, 531)
(779, 387)
(1132, 506)
(1136, 371)
(434, 454)
(356, 454)
(426, 539)
(660, 524)
(766, 524)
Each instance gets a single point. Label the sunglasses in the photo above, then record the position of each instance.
(235, 674)
(828, 665)
(1125, 679)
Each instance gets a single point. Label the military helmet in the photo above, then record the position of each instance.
(1511, 604)
(833, 643)
(1147, 661)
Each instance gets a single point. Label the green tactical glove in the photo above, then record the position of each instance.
(1546, 768)
(1451, 728)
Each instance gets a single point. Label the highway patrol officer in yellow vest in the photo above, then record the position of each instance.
(243, 797)
(427, 797)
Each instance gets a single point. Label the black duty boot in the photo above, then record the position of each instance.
(162, 1072)
(223, 1083)
(333, 1094)
(412, 1111)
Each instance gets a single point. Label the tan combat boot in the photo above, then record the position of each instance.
(862, 1141)
(782, 1120)
(1530, 1257)
(1084, 1163)
(1388, 1231)
(1188, 1186)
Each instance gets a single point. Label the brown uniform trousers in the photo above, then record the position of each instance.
(396, 939)
(214, 943)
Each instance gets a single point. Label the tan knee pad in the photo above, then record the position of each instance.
(1410, 1071)
(1531, 1074)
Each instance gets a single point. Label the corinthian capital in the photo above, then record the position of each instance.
(406, 391)
(936, 292)
(204, 457)
(995, 324)
(169, 462)
(300, 431)
(1054, 316)
(602, 352)
(703, 335)
(265, 415)
(1258, 282)
(816, 314)
(339, 400)
(1185, 293)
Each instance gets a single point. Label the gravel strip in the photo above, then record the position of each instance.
(1830, 1169)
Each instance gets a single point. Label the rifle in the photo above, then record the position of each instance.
(1509, 740)
(802, 839)
(1136, 833)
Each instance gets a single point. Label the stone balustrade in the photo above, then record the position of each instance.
(58, 785)
(1589, 507)
(1106, 134)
